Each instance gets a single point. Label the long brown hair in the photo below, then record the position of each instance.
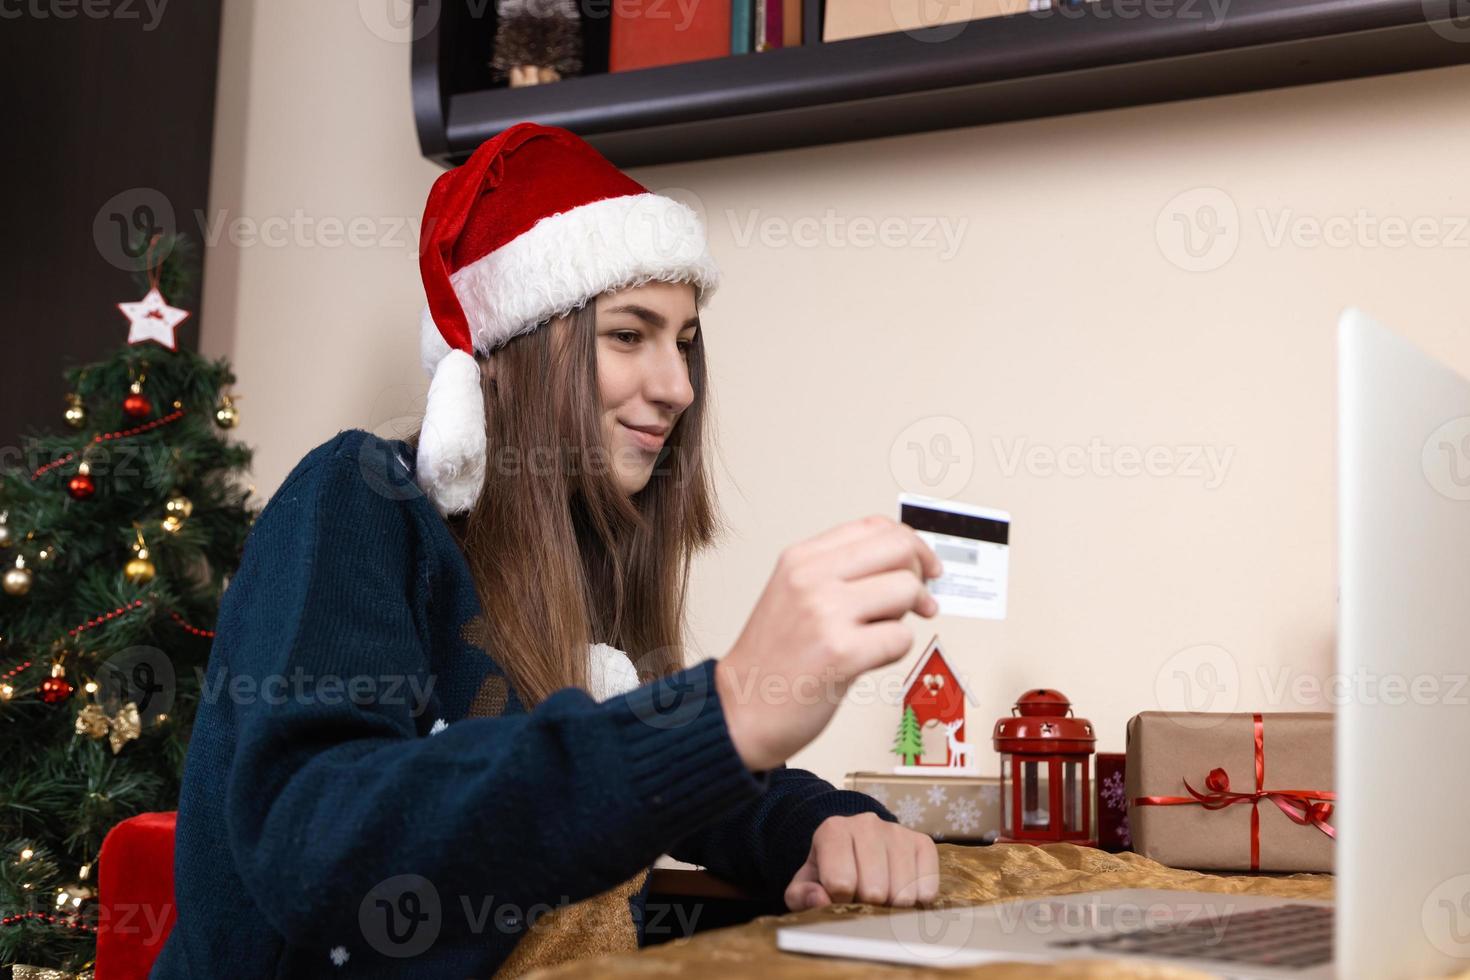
(560, 556)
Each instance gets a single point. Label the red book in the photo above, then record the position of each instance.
(773, 38)
(646, 33)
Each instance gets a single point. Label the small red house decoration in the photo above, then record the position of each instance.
(936, 695)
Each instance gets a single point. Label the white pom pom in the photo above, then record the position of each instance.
(609, 672)
(451, 453)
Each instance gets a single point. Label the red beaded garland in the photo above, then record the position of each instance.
(173, 416)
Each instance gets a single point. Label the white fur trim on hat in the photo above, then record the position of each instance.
(566, 259)
(451, 450)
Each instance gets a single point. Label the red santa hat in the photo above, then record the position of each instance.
(532, 226)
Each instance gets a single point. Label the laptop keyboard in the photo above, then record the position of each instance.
(1289, 936)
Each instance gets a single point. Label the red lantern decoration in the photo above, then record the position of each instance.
(1045, 758)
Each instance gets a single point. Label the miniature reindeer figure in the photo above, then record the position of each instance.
(959, 752)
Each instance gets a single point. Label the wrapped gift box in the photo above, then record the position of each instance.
(947, 808)
(1112, 802)
(1194, 800)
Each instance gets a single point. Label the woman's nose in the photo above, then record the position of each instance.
(668, 382)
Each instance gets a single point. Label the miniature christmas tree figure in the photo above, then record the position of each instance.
(908, 744)
(118, 534)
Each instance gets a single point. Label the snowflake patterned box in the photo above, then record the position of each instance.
(955, 809)
(1112, 802)
(1232, 792)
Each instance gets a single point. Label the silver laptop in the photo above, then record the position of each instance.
(1403, 737)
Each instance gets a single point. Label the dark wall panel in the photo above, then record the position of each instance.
(108, 108)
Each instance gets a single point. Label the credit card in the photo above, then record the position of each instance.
(974, 545)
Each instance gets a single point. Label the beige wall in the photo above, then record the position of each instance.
(1069, 313)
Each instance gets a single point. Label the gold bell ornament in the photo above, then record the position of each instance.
(139, 569)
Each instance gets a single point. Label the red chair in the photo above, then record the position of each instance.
(135, 895)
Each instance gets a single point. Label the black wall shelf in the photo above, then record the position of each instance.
(1102, 55)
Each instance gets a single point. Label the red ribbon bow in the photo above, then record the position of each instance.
(1302, 806)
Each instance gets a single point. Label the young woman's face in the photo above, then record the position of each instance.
(643, 335)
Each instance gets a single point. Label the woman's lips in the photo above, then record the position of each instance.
(644, 440)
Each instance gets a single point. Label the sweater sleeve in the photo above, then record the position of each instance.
(333, 786)
(760, 845)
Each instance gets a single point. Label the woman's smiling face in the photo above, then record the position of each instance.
(643, 338)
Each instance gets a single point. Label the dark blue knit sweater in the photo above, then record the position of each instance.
(344, 814)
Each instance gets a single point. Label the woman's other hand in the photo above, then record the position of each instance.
(864, 858)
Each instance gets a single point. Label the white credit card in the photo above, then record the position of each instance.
(974, 545)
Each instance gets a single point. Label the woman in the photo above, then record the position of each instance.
(421, 748)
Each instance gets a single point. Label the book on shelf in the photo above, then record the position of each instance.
(648, 33)
(741, 14)
(862, 18)
(791, 23)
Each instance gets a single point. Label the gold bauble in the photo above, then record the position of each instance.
(177, 508)
(4, 535)
(76, 412)
(139, 571)
(227, 415)
(17, 580)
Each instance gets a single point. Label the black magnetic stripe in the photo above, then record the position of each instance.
(960, 525)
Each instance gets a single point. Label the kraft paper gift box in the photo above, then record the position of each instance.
(947, 808)
(1195, 800)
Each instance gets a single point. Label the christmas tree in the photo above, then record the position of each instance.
(117, 537)
(908, 744)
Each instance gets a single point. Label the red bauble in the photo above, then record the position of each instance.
(137, 406)
(81, 487)
(55, 690)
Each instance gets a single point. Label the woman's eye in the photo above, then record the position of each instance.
(626, 336)
(685, 346)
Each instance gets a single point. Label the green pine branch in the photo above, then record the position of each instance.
(64, 788)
